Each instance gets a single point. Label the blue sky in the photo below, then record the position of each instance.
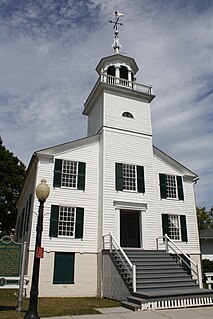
(48, 54)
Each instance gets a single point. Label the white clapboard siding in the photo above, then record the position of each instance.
(95, 117)
(174, 206)
(114, 107)
(87, 199)
(136, 150)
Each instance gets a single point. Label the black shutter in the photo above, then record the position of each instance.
(140, 179)
(180, 188)
(119, 176)
(165, 224)
(28, 213)
(57, 173)
(184, 236)
(53, 232)
(162, 178)
(81, 175)
(25, 217)
(79, 222)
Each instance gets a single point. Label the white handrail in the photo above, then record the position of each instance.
(122, 255)
(110, 79)
(123, 252)
(168, 244)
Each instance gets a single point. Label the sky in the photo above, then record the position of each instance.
(49, 50)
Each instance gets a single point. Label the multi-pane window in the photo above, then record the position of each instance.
(171, 187)
(174, 227)
(66, 221)
(69, 174)
(129, 177)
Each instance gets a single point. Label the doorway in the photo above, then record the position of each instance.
(130, 228)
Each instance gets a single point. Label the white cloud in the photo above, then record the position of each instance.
(49, 53)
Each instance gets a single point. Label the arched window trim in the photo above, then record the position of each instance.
(128, 115)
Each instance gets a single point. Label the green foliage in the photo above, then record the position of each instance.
(204, 218)
(207, 265)
(12, 172)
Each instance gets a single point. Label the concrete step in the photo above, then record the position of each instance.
(131, 306)
(159, 266)
(160, 271)
(156, 275)
(162, 281)
(170, 293)
(166, 285)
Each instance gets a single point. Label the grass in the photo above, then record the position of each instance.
(52, 307)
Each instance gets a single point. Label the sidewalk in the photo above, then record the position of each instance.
(122, 313)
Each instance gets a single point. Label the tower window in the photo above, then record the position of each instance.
(111, 70)
(128, 114)
(123, 72)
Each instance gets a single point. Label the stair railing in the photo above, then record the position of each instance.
(170, 245)
(114, 247)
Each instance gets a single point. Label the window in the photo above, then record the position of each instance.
(171, 186)
(111, 70)
(64, 268)
(69, 174)
(128, 114)
(129, 177)
(175, 226)
(123, 72)
(66, 221)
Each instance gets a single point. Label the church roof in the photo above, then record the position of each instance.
(117, 58)
(172, 162)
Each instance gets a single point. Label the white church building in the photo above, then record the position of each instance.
(121, 215)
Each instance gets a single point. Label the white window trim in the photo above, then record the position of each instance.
(176, 192)
(136, 181)
(180, 235)
(74, 223)
(69, 187)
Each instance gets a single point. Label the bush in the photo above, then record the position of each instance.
(207, 265)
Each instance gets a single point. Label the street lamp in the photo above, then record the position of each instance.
(42, 192)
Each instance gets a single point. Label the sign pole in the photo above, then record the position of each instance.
(21, 282)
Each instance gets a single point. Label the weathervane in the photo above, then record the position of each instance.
(116, 43)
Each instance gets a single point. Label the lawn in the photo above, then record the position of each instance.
(52, 307)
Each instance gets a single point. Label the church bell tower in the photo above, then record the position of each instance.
(117, 101)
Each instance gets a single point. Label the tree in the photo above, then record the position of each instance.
(12, 172)
(204, 218)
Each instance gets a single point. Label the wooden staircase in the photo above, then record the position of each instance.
(161, 282)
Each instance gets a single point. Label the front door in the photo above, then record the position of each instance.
(130, 228)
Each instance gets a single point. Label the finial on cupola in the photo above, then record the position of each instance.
(116, 42)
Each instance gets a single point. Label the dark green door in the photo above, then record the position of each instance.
(130, 228)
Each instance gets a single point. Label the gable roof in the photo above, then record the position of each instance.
(172, 162)
(61, 148)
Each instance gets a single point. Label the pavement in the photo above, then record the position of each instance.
(122, 313)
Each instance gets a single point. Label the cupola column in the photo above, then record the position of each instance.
(117, 73)
(130, 78)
